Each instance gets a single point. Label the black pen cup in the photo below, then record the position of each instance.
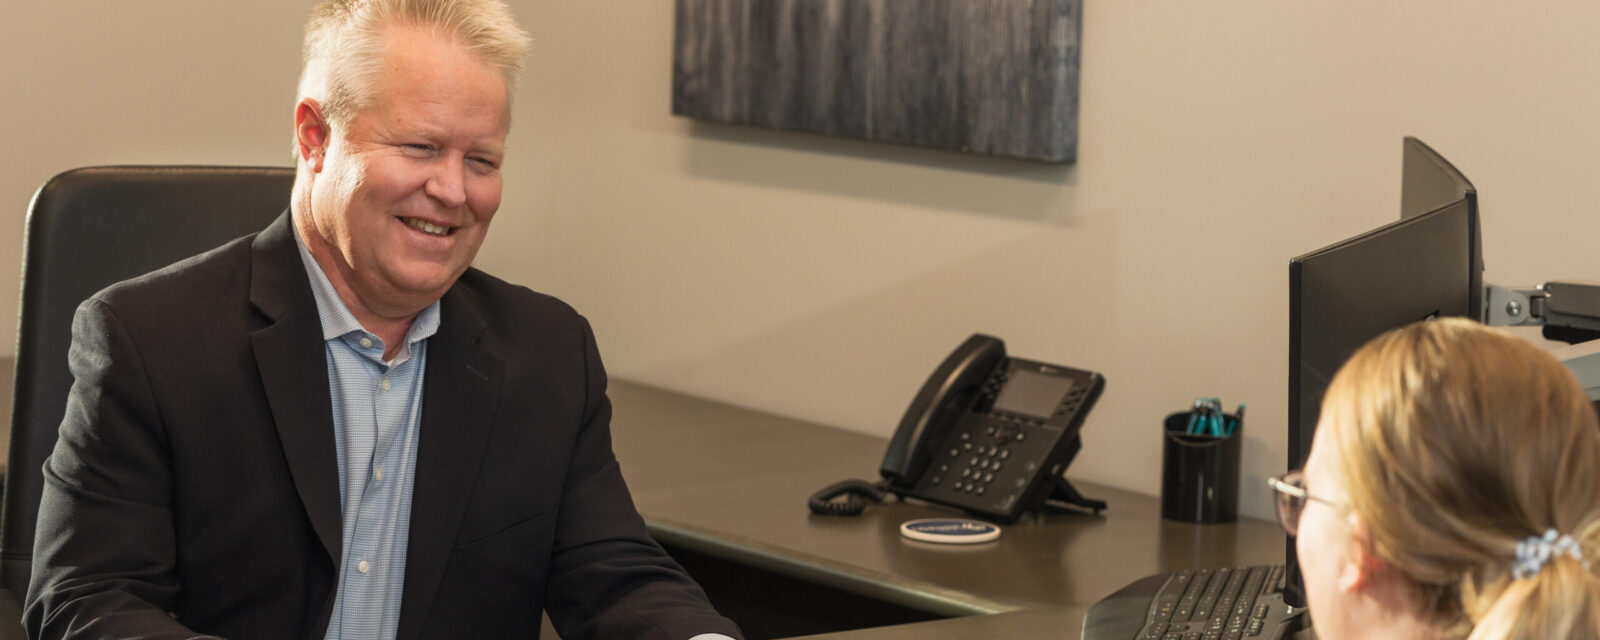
(1200, 471)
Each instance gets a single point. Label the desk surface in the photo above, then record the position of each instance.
(733, 482)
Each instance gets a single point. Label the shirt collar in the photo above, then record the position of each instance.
(338, 322)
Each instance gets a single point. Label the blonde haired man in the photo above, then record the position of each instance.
(347, 432)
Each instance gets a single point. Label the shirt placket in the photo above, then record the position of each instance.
(368, 574)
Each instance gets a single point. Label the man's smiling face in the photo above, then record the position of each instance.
(404, 192)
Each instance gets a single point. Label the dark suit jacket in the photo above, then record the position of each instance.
(195, 480)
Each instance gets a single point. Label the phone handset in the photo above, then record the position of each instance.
(947, 394)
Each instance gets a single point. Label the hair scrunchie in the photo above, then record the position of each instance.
(1534, 552)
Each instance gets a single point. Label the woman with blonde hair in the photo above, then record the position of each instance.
(1452, 491)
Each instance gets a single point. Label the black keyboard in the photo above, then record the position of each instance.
(1230, 603)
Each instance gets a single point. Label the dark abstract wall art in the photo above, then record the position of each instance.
(995, 77)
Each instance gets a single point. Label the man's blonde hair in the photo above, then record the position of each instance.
(1457, 441)
(343, 39)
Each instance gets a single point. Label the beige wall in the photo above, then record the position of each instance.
(823, 278)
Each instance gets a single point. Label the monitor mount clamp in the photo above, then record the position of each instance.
(1568, 311)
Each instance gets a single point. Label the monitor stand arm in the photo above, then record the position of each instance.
(1569, 312)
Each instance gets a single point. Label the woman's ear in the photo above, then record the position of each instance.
(1361, 564)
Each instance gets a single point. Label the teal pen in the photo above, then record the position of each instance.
(1215, 416)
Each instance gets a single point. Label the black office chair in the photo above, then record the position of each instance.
(89, 228)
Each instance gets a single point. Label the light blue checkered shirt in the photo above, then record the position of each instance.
(377, 412)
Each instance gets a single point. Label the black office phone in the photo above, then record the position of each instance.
(987, 433)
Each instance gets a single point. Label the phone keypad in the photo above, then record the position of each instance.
(986, 462)
(982, 461)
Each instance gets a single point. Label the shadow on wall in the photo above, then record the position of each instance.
(942, 180)
(8, 371)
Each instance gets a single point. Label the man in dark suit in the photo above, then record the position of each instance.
(336, 428)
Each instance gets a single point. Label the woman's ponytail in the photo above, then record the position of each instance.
(1556, 597)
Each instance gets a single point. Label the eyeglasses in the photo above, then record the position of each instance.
(1292, 497)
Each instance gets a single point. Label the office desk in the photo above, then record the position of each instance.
(732, 483)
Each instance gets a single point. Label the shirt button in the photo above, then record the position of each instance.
(363, 567)
(366, 342)
(384, 384)
(377, 473)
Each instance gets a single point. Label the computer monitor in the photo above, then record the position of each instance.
(1429, 182)
(1426, 265)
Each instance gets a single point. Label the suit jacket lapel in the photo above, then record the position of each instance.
(294, 372)
(459, 398)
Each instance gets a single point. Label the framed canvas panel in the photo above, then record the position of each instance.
(995, 77)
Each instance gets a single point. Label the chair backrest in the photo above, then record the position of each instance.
(87, 229)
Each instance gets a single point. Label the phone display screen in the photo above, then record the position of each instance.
(1033, 394)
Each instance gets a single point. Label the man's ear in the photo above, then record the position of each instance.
(1361, 564)
(311, 133)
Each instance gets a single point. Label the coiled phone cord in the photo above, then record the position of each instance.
(856, 494)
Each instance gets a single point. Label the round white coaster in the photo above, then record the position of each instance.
(950, 530)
